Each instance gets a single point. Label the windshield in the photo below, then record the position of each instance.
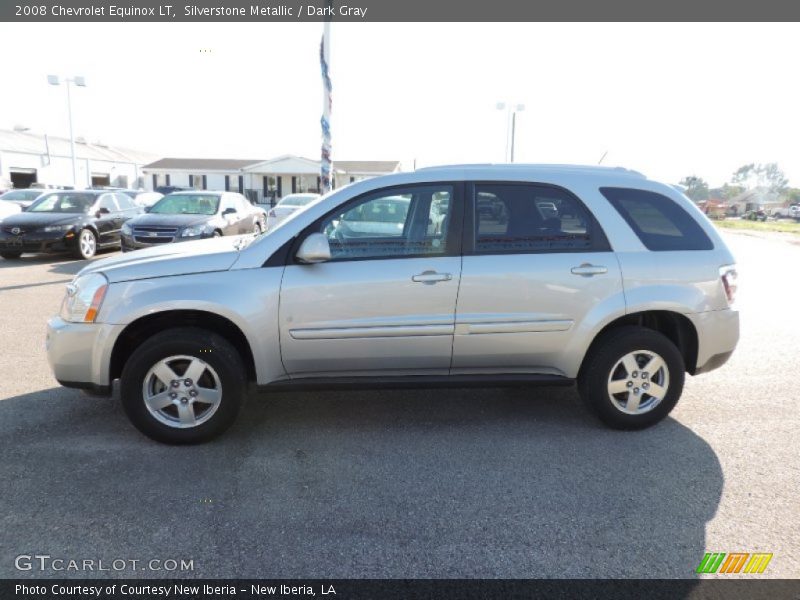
(299, 200)
(64, 203)
(21, 195)
(186, 204)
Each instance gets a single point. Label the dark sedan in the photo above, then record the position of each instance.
(80, 222)
(186, 216)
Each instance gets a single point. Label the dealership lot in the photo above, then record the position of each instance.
(421, 483)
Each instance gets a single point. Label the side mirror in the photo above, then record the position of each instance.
(314, 249)
(147, 208)
(102, 211)
(228, 211)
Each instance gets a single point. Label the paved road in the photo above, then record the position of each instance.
(459, 483)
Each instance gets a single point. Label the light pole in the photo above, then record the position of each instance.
(80, 82)
(511, 125)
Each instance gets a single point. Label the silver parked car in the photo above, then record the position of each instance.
(512, 274)
(287, 206)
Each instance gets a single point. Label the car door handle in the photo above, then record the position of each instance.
(431, 277)
(587, 270)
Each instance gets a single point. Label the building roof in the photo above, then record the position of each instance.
(202, 164)
(366, 166)
(35, 143)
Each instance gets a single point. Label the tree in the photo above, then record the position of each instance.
(696, 187)
(761, 175)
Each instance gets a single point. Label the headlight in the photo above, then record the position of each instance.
(84, 297)
(193, 231)
(126, 229)
(51, 228)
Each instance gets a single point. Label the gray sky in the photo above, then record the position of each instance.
(666, 99)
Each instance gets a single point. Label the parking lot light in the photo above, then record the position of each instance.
(80, 81)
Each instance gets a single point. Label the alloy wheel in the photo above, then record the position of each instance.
(638, 382)
(182, 391)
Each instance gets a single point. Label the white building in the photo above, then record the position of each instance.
(260, 180)
(27, 158)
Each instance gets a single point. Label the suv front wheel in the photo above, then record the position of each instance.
(632, 377)
(183, 386)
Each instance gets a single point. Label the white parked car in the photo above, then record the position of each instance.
(147, 199)
(8, 208)
(286, 206)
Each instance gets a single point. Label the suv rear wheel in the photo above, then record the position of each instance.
(632, 377)
(183, 386)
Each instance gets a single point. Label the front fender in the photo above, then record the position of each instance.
(247, 298)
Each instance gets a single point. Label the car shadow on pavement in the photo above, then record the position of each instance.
(495, 483)
(59, 263)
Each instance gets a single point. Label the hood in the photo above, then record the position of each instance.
(200, 256)
(180, 221)
(33, 220)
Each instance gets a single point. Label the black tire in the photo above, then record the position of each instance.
(217, 233)
(604, 355)
(10, 255)
(194, 342)
(79, 252)
(257, 228)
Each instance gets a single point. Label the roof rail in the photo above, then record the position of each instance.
(539, 166)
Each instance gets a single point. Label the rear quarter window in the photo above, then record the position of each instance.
(659, 222)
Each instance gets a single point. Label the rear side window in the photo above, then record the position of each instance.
(529, 218)
(659, 222)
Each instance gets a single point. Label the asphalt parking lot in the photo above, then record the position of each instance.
(424, 483)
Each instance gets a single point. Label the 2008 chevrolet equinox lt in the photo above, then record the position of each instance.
(474, 274)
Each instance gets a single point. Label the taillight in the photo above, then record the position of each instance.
(272, 214)
(729, 276)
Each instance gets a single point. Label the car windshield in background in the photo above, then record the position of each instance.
(298, 200)
(186, 204)
(21, 195)
(64, 203)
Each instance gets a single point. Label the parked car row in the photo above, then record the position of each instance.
(83, 221)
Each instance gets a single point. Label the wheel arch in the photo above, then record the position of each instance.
(675, 326)
(139, 330)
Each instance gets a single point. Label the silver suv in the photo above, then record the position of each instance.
(463, 275)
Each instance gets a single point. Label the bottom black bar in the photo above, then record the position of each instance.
(402, 589)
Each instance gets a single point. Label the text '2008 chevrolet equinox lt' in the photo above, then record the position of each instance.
(460, 275)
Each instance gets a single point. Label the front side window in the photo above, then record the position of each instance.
(107, 201)
(124, 202)
(657, 220)
(512, 217)
(401, 222)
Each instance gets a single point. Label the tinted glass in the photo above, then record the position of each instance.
(186, 204)
(64, 203)
(658, 221)
(529, 218)
(408, 222)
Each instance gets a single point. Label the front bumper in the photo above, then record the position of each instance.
(37, 242)
(80, 353)
(717, 335)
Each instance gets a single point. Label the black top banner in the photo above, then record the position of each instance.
(395, 10)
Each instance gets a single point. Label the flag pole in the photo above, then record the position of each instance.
(326, 163)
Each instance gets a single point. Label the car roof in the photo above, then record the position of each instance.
(536, 168)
